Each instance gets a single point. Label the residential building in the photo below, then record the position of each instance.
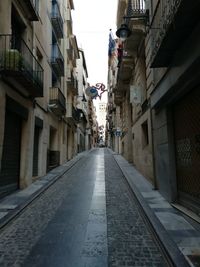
(82, 104)
(93, 124)
(113, 124)
(101, 115)
(24, 92)
(38, 88)
(72, 113)
(158, 96)
(173, 56)
(132, 129)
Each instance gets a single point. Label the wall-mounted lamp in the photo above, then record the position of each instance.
(123, 32)
(135, 10)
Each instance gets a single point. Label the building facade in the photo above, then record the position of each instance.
(101, 115)
(113, 119)
(38, 89)
(157, 95)
(93, 123)
(132, 135)
(82, 104)
(174, 60)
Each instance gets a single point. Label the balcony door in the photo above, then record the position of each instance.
(18, 29)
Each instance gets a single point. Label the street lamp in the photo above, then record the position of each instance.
(123, 32)
(135, 10)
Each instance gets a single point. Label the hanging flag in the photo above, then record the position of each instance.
(111, 45)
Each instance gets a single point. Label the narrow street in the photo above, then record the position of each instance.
(99, 133)
(87, 218)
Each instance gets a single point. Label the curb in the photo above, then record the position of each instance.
(174, 255)
(46, 181)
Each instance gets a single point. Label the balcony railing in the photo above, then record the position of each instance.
(73, 114)
(32, 7)
(118, 97)
(171, 25)
(69, 20)
(18, 62)
(135, 9)
(57, 101)
(76, 114)
(57, 60)
(136, 18)
(125, 68)
(70, 50)
(72, 84)
(56, 20)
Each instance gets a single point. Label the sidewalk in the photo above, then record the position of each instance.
(12, 204)
(177, 234)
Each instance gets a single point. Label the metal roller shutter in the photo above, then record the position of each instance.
(10, 164)
(187, 144)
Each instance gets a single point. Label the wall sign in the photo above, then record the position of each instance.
(95, 91)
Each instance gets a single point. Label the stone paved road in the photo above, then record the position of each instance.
(67, 225)
(130, 243)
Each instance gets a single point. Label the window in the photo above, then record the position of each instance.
(145, 134)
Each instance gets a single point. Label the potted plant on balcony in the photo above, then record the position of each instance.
(12, 60)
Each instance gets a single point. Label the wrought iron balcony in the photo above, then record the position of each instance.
(72, 84)
(136, 19)
(57, 101)
(32, 8)
(118, 97)
(73, 114)
(57, 60)
(136, 9)
(56, 20)
(172, 24)
(125, 73)
(70, 50)
(18, 64)
(126, 68)
(69, 20)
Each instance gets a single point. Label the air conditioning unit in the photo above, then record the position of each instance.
(135, 94)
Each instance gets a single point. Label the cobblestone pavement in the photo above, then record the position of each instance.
(130, 243)
(65, 226)
(73, 211)
(19, 237)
